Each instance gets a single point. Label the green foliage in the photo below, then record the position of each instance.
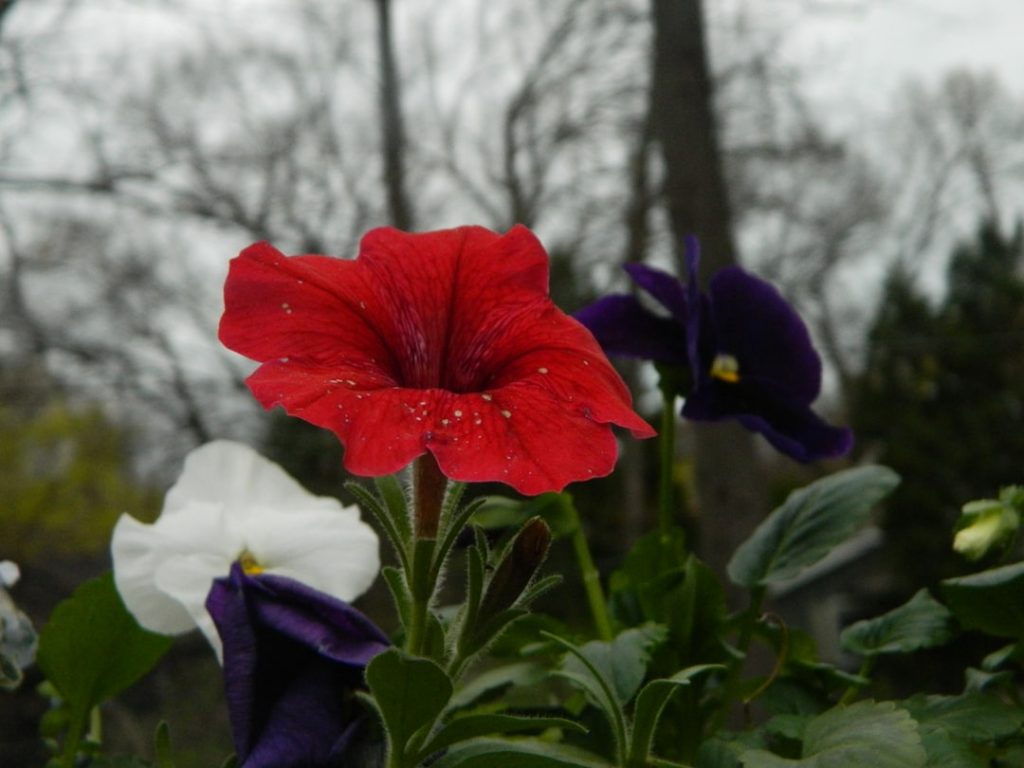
(920, 623)
(64, 479)
(879, 735)
(488, 753)
(941, 397)
(409, 693)
(623, 661)
(92, 648)
(992, 601)
(809, 524)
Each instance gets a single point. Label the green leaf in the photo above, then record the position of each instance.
(922, 622)
(92, 648)
(521, 673)
(472, 726)
(723, 750)
(650, 703)
(410, 694)
(393, 495)
(992, 601)
(975, 717)
(497, 512)
(623, 661)
(395, 531)
(395, 580)
(946, 752)
(809, 524)
(598, 687)
(520, 753)
(864, 734)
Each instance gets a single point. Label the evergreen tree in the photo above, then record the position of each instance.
(942, 396)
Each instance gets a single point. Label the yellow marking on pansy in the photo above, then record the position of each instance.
(249, 564)
(726, 368)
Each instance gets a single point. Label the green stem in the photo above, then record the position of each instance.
(866, 666)
(589, 573)
(667, 454)
(428, 491)
(73, 740)
(747, 624)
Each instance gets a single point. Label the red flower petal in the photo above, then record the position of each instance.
(442, 341)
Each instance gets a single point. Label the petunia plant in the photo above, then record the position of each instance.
(440, 362)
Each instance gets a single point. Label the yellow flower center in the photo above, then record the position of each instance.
(726, 368)
(249, 564)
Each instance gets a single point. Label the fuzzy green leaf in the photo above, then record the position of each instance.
(650, 703)
(410, 693)
(473, 726)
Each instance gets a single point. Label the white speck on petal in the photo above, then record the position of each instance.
(542, 370)
(507, 414)
(445, 422)
(458, 414)
(286, 307)
(487, 397)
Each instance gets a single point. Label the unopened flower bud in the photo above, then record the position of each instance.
(985, 525)
(517, 568)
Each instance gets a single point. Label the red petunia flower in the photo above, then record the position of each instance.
(442, 341)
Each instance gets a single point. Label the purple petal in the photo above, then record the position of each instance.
(292, 657)
(697, 308)
(788, 424)
(666, 289)
(755, 325)
(623, 327)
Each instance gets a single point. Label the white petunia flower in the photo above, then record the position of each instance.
(232, 504)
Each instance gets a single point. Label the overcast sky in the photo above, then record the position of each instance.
(863, 50)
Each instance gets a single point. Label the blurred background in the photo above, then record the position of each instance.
(866, 156)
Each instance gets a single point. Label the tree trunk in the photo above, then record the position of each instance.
(393, 132)
(730, 488)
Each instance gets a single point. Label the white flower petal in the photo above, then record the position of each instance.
(188, 579)
(228, 501)
(234, 475)
(334, 553)
(138, 550)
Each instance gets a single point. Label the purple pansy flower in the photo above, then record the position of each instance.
(292, 658)
(749, 352)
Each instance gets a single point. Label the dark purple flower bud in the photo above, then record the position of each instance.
(292, 658)
(515, 572)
